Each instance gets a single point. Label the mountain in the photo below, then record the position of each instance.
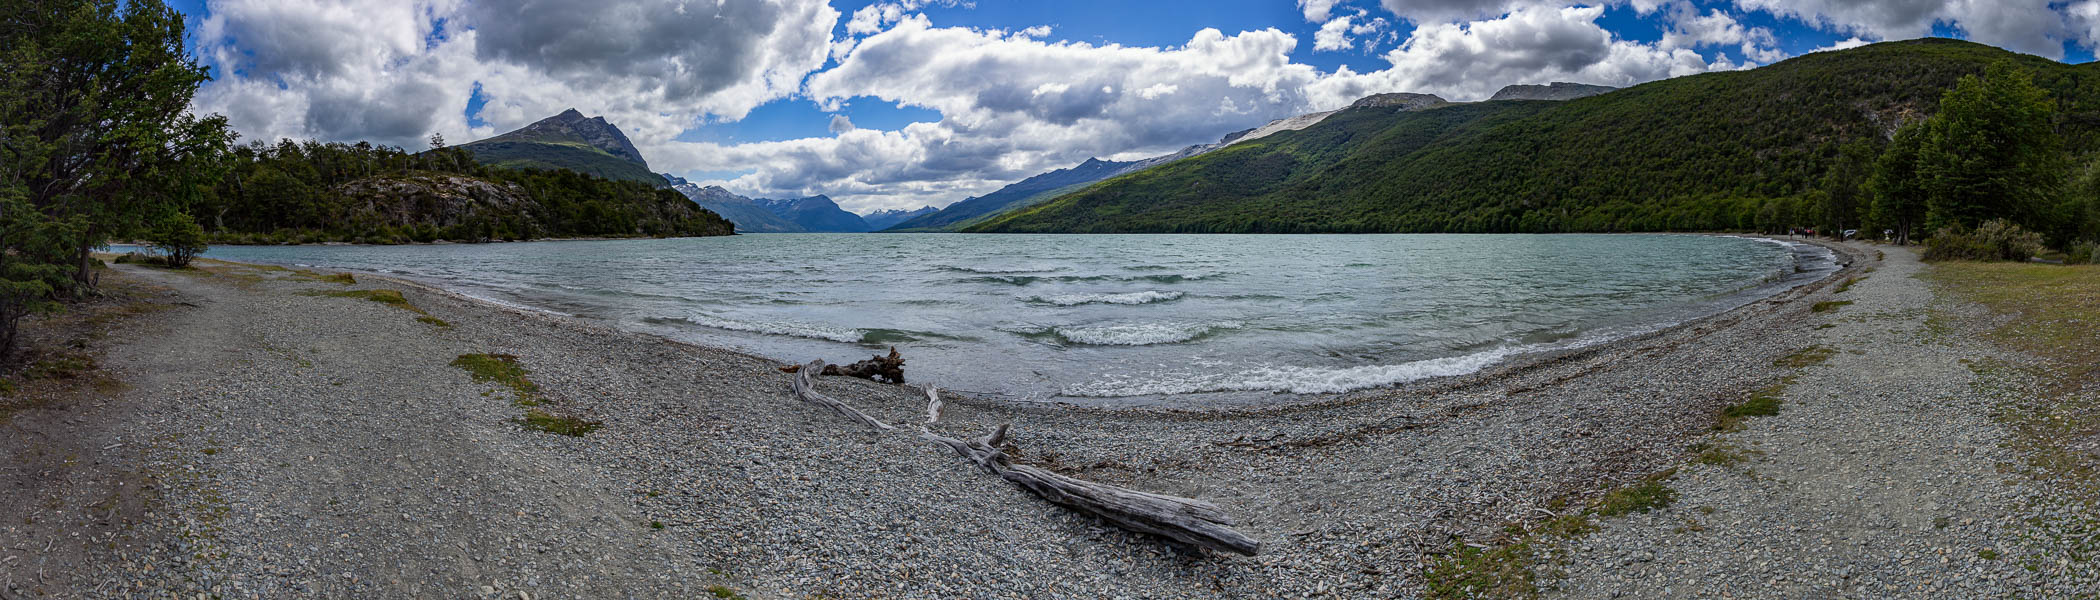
(1710, 151)
(815, 214)
(1018, 194)
(568, 141)
(746, 213)
(1558, 90)
(883, 219)
(1034, 190)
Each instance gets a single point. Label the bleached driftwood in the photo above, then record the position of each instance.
(1185, 520)
(933, 405)
(805, 388)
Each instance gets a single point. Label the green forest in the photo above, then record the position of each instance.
(1905, 136)
(313, 192)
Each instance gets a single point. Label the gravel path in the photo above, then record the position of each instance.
(1882, 476)
(308, 445)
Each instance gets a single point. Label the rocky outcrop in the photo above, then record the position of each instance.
(1559, 90)
(437, 200)
(1399, 100)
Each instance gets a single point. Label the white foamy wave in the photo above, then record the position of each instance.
(788, 328)
(996, 270)
(1145, 297)
(509, 304)
(1297, 380)
(1137, 334)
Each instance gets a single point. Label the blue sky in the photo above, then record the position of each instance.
(901, 103)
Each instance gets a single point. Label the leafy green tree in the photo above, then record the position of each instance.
(179, 239)
(31, 245)
(1992, 151)
(97, 117)
(1898, 194)
(1845, 187)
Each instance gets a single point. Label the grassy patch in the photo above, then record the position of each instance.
(1829, 305)
(1806, 357)
(1987, 554)
(342, 278)
(1502, 571)
(2051, 404)
(1649, 494)
(501, 369)
(539, 420)
(1761, 403)
(723, 592)
(1847, 285)
(1719, 455)
(434, 321)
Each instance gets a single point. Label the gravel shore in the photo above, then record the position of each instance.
(299, 444)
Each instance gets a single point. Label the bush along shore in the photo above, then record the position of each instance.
(487, 451)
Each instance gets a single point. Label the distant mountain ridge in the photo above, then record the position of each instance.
(883, 219)
(568, 141)
(1558, 90)
(812, 214)
(1034, 190)
(815, 214)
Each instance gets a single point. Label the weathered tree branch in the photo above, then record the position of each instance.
(1185, 520)
(806, 389)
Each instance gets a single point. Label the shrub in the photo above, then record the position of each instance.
(2083, 253)
(1994, 240)
(179, 239)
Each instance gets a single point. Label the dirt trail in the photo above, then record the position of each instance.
(1880, 476)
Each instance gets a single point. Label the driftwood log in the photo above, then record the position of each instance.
(1185, 520)
(888, 369)
(806, 389)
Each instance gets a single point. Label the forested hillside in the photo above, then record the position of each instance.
(312, 192)
(1792, 144)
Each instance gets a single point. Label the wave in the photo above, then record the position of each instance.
(1137, 334)
(787, 328)
(1297, 380)
(1145, 297)
(995, 270)
(1019, 280)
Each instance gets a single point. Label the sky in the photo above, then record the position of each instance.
(897, 104)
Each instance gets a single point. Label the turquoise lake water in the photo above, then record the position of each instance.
(1116, 318)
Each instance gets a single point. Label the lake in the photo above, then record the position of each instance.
(1117, 319)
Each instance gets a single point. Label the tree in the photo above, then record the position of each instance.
(179, 239)
(1992, 151)
(1898, 195)
(1844, 187)
(98, 128)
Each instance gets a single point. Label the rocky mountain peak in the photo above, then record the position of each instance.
(1558, 90)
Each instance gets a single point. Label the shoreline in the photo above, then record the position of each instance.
(1193, 401)
(706, 471)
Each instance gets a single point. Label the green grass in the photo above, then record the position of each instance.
(2054, 315)
(539, 420)
(1649, 494)
(724, 592)
(1829, 305)
(383, 296)
(434, 321)
(501, 369)
(1719, 455)
(1847, 285)
(1502, 571)
(342, 278)
(1805, 357)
